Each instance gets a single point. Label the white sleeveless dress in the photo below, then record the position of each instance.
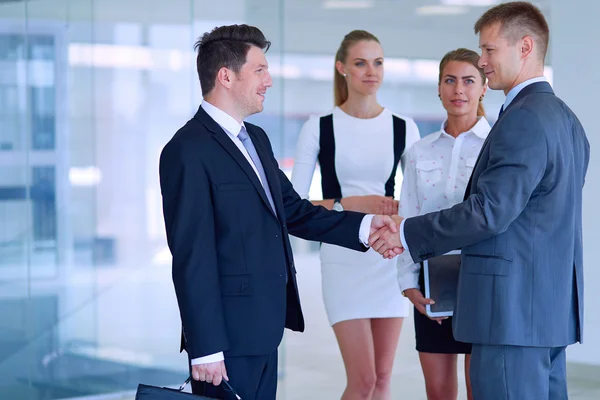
(356, 285)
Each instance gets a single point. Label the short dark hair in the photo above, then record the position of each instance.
(225, 46)
(518, 19)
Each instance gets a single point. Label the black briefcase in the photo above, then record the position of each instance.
(147, 392)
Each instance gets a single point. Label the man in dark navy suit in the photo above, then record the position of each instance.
(228, 211)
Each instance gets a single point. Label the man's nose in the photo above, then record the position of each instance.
(481, 62)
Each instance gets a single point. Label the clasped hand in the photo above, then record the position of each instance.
(384, 237)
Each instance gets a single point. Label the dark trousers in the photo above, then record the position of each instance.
(516, 372)
(252, 377)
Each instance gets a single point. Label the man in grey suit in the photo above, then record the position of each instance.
(520, 293)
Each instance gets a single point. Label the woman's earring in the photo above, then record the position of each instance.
(481, 98)
(344, 75)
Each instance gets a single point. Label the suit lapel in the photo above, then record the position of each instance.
(225, 141)
(538, 87)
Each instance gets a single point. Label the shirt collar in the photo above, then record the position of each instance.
(225, 120)
(480, 129)
(517, 89)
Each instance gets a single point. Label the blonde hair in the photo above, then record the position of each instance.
(468, 56)
(340, 87)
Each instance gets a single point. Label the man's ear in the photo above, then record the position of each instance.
(527, 46)
(225, 77)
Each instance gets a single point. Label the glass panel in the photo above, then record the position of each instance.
(89, 94)
(15, 207)
(43, 124)
(12, 89)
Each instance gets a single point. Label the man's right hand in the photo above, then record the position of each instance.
(416, 297)
(210, 373)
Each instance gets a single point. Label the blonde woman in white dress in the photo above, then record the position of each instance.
(358, 147)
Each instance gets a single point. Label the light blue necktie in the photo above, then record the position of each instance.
(247, 142)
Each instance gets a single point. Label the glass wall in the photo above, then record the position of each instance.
(90, 91)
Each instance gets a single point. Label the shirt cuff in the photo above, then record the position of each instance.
(402, 238)
(365, 229)
(408, 273)
(212, 358)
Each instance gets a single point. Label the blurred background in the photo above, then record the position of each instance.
(90, 91)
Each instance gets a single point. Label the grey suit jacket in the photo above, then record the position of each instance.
(521, 280)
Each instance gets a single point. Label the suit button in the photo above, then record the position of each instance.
(276, 236)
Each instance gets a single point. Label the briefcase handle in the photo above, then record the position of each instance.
(237, 396)
(185, 383)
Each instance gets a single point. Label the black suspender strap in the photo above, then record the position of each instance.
(399, 145)
(329, 180)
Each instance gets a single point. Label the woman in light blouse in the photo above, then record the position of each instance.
(438, 168)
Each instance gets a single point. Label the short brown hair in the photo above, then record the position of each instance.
(340, 87)
(518, 19)
(468, 56)
(225, 46)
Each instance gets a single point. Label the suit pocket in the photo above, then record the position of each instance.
(234, 186)
(485, 265)
(236, 285)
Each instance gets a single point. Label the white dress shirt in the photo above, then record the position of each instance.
(232, 129)
(438, 169)
(510, 96)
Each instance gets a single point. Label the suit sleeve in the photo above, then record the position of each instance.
(518, 157)
(310, 222)
(189, 222)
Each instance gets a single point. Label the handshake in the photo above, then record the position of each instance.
(384, 236)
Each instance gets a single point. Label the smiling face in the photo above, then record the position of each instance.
(501, 61)
(363, 67)
(460, 88)
(251, 83)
